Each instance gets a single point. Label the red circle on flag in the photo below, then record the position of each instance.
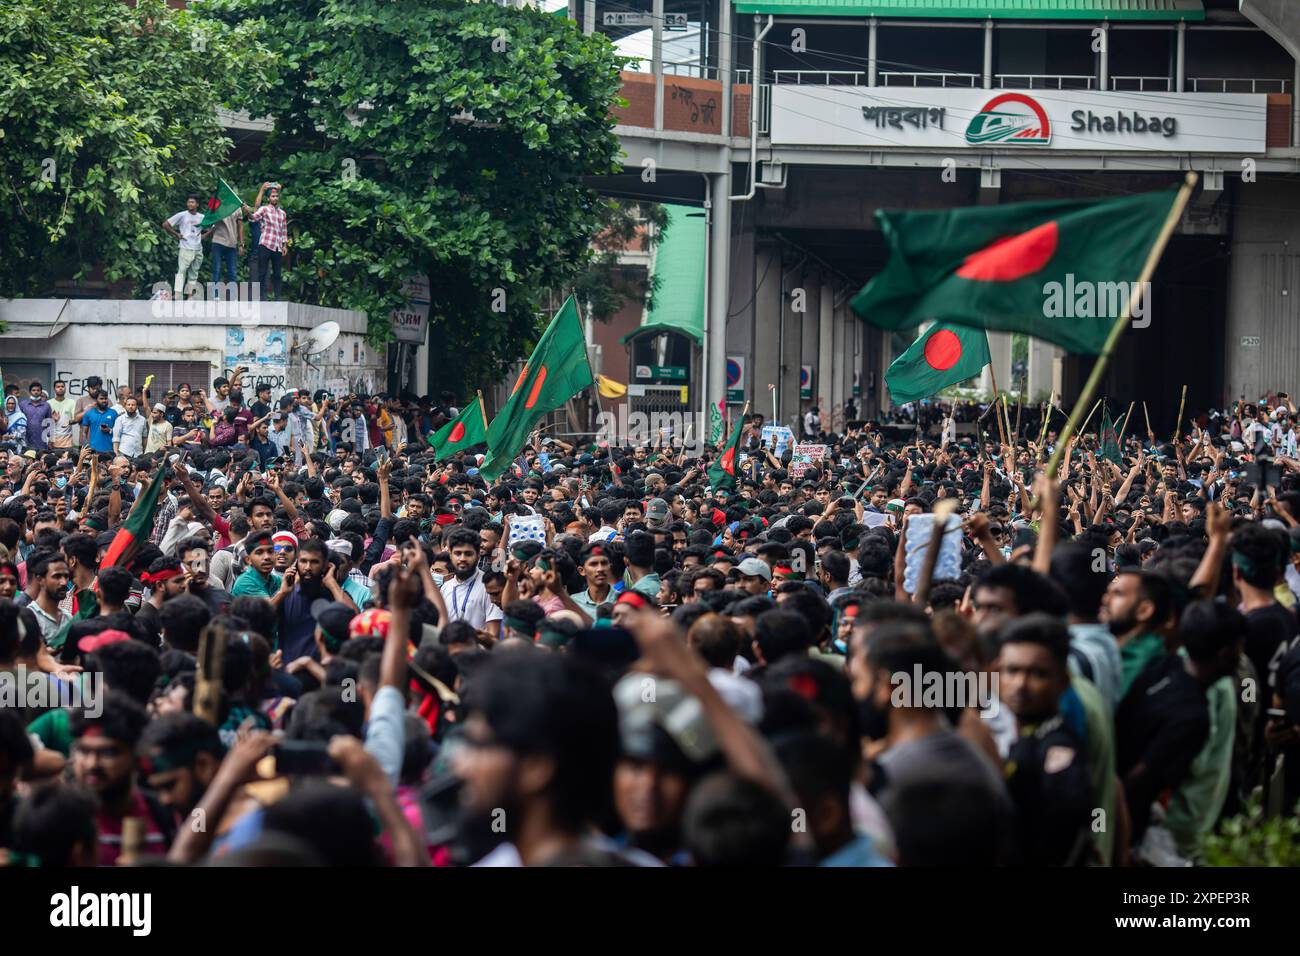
(729, 461)
(457, 432)
(1013, 257)
(943, 349)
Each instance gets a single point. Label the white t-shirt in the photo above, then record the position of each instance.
(468, 601)
(187, 224)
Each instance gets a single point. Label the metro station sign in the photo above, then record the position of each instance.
(959, 120)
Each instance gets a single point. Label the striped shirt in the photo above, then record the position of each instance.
(275, 231)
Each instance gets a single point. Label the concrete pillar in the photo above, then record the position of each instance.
(841, 380)
(988, 54)
(726, 59)
(1104, 83)
(873, 28)
(719, 286)
(824, 373)
(1000, 361)
(1180, 58)
(1044, 372)
(765, 361)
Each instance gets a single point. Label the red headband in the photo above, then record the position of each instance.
(161, 576)
(634, 598)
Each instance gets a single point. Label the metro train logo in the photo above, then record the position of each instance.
(1012, 118)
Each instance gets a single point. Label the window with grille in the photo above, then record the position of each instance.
(171, 375)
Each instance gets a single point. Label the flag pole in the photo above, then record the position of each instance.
(1178, 422)
(1084, 427)
(1099, 367)
(1123, 428)
(482, 409)
(1151, 436)
(997, 400)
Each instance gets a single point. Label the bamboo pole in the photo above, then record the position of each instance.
(1147, 415)
(1084, 427)
(997, 400)
(1124, 427)
(1178, 422)
(1148, 268)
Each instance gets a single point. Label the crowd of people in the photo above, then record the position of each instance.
(274, 629)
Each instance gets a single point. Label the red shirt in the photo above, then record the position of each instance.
(110, 831)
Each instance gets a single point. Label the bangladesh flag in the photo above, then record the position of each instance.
(466, 430)
(943, 355)
(1059, 271)
(556, 371)
(138, 525)
(1110, 449)
(225, 203)
(120, 551)
(722, 473)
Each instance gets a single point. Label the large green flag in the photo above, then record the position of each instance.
(942, 355)
(225, 204)
(1059, 271)
(722, 473)
(466, 430)
(556, 371)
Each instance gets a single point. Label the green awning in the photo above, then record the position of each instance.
(679, 264)
(983, 9)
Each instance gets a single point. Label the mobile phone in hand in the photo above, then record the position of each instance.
(303, 758)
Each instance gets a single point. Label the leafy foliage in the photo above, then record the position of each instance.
(1252, 839)
(605, 284)
(434, 137)
(108, 117)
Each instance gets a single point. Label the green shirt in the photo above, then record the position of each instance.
(1135, 655)
(584, 601)
(1195, 805)
(648, 585)
(1100, 750)
(54, 728)
(250, 582)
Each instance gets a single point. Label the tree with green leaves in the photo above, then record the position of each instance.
(434, 137)
(108, 118)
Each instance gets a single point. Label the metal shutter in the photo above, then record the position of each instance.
(170, 375)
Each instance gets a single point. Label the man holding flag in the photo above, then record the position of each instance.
(226, 217)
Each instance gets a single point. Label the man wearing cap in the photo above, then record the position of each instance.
(656, 513)
(755, 576)
(160, 430)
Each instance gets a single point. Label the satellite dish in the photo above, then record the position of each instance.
(321, 338)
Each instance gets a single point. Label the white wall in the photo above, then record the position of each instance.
(84, 337)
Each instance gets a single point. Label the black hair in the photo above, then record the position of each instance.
(731, 821)
(1041, 629)
(120, 718)
(780, 632)
(333, 821)
(555, 706)
(128, 666)
(52, 821)
(115, 585)
(1208, 627)
(172, 733)
(1084, 579)
(182, 620)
